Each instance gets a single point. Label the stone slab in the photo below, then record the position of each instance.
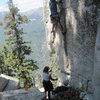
(3, 83)
(21, 94)
(13, 83)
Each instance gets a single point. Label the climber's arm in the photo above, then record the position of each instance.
(53, 78)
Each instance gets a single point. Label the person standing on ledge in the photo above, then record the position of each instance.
(55, 19)
(47, 84)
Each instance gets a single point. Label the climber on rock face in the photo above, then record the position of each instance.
(55, 19)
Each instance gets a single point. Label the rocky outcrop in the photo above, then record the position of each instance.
(96, 76)
(8, 83)
(3, 83)
(21, 94)
(77, 52)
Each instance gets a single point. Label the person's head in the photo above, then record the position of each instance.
(46, 69)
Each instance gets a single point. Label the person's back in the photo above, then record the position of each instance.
(53, 7)
(46, 76)
(47, 84)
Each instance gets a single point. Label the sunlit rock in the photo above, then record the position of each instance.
(78, 50)
(21, 94)
(11, 83)
(3, 83)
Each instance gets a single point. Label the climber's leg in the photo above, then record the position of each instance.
(54, 22)
(45, 94)
(59, 23)
(53, 27)
(49, 95)
(61, 28)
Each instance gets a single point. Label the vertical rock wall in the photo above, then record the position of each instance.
(55, 42)
(76, 50)
(81, 23)
(96, 76)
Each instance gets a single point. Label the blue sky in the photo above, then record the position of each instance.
(23, 5)
(2, 2)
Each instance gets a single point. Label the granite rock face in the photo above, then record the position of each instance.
(21, 94)
(8, 83)
(96, 76)
(3, 83)
(77, 51)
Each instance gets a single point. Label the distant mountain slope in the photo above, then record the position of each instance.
(36, 34)
(35, 13)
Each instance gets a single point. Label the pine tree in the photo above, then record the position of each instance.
(15, 51)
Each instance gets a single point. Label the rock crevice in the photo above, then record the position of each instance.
(77, 52)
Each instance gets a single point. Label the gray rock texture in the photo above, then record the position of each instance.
(77, 52)
(96, 76)
(9, 83)
(88, 97)
(3, 83)
(21, 94)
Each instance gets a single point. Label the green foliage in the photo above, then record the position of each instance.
(55, 68)
(37, 78)
(13, 56)
(1, 63)
(1, 23)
